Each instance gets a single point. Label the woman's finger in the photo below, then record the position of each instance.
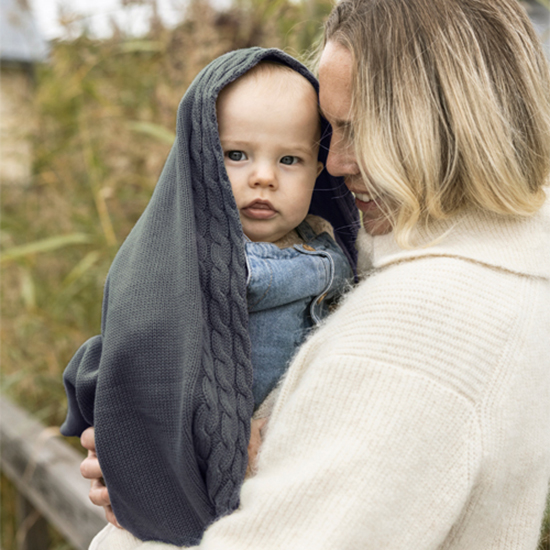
(110, 516)
(99, 494)
(89, 467)
(87, 439)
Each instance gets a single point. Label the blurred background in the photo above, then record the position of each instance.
(88, 101)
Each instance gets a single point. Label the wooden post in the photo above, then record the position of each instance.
(32, 532)
(46, 471)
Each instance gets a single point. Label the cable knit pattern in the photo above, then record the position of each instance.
(167, 385)
(417, 416)
(223, 417)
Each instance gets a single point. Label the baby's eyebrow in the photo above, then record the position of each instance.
(296, 148)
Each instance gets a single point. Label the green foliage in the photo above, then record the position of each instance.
(44, 245)
(105, 120)
(106, 114)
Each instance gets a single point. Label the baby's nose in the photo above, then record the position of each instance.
(264, 176)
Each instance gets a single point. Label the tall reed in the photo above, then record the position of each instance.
(105, 120)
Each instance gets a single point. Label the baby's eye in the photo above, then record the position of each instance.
(289, 159)
(235, 155)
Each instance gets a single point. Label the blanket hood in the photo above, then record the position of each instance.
(167, 384)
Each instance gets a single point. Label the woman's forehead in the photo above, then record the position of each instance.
(335, 80)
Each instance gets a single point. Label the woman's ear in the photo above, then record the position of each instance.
(320, 167)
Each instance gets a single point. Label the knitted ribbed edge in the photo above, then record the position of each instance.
(222, 421)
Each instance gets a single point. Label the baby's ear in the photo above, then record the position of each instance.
(320, 167)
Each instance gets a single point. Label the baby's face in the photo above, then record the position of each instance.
(269, 132)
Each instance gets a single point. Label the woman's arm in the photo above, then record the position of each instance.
(375, 440)
(99, 495)
(344, 467)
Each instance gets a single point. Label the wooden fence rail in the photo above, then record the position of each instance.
(45, 471)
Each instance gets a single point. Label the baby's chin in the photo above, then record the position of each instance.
(259, 236)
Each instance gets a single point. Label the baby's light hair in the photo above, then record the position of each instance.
(291, 79)
(269, 67)
(450, 105)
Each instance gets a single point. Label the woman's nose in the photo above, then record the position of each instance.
(341, 159)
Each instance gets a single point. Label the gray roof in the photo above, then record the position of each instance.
(20, 39)
(540, 17)
(539, 14)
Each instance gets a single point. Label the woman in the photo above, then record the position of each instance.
(417, 417)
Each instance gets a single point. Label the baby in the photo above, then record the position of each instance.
(269, 131)
(168, 385)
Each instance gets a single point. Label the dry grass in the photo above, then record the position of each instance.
(106, 117)
(106, 114)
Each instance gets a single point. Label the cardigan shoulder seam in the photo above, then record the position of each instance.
(440, 383)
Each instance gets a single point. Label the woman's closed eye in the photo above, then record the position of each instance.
(289, 159)
(236, 155)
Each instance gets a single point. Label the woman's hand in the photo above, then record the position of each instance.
(99, 495)
(90, 469)
(254, 444)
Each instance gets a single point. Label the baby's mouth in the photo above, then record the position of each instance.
(259, 210)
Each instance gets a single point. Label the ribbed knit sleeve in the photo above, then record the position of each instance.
(407, 421)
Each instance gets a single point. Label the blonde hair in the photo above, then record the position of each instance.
(450, 105)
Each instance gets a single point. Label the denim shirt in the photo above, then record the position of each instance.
(289, 291)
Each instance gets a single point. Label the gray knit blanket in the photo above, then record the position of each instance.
(167, 384)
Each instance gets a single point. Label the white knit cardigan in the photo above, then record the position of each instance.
(418, 416)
